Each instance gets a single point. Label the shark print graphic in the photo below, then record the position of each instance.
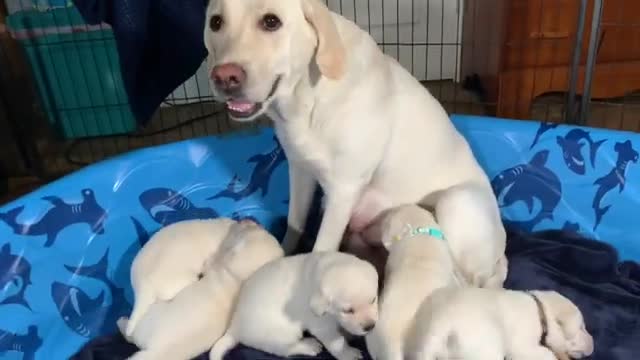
(141, 232)
(167, 206)
(571, 145)
(15, 277)
(543, 128)
(260, 176)
(85, 315)
(527, 182)
(27, 344)
(59, 217)
(615, 178)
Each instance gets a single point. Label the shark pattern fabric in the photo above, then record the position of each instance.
(66, 249)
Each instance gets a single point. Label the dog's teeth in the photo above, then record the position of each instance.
(240, 107)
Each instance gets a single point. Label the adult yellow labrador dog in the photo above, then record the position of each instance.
(354, 120)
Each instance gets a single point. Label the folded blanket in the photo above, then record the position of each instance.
(586, 271)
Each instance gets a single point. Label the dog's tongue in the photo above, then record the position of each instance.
(240, 106)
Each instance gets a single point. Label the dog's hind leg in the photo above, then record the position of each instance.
(470, 220)
(288, 342)
(222, 346)
(500, 275)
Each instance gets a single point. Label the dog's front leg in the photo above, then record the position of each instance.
(301, 189)
(335, 343)
(340, 201)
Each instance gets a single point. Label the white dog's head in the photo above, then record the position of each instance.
(258, 47)
(346, 288)
(246, 248)
(567, 331)
(397, 222)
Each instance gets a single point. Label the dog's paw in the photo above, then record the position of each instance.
(307, 347)
(313, 345)
(350, 353)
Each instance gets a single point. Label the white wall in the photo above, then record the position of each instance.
(434, 22)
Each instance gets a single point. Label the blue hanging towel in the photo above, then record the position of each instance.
(159, 43)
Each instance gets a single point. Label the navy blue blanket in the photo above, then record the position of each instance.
(159, 43)
(586, 271)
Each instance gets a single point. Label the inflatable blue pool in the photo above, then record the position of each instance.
(66, 249)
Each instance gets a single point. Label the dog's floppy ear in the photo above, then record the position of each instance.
(318, 303)
(233, 248)
(330, 54)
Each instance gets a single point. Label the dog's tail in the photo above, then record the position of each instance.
(222, 346)
(143, 301)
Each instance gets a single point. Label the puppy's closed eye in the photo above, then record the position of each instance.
(348, 311)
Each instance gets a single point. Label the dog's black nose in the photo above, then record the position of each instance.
(369, 327)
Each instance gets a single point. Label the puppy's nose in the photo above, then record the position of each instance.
(368, 327)
(228, 77)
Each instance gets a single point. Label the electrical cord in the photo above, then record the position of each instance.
(68, 152)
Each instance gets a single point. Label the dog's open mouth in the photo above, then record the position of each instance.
(244, 109)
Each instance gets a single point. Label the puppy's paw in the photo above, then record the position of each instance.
(350, 353)
(122, 324)
(309, 347)
(306, 347)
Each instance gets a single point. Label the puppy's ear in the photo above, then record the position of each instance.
(319, 303)
(234, 248)
(330, 54)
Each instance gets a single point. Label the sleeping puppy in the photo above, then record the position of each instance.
(197, 316)
(319, 292)
(353, 120)
(171, 260)
(492, 324)
(419, 262)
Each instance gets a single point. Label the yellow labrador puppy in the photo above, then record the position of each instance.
(320, 292)
(494, 324)
(419, 262)
(171, 260)
(197, 316)
(353, 120)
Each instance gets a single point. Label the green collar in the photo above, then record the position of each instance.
(429, 231)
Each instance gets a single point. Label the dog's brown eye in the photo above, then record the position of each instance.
(215, 23)
(270, 22)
